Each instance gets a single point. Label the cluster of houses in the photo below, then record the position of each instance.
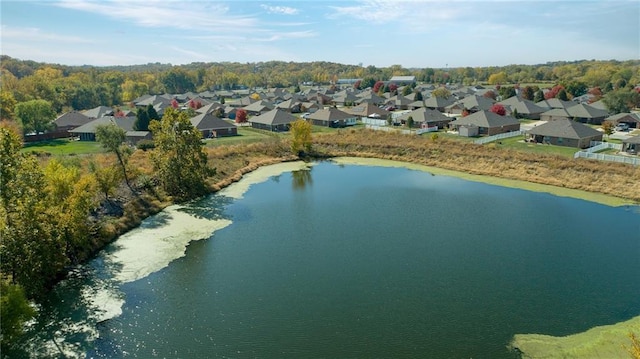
(467, 110)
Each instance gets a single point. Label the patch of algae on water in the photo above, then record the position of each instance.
(606, 342)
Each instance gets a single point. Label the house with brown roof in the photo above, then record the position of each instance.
(332, 117)
(487, 122)
(564, 133)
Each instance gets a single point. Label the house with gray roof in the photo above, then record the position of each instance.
(98, 112)
(578, 112)
(555, 103)
(564, 133)
(211, 126)
(259, 107)
(438, 103)
(428, 117)
(332, 117)
(402, 80)
(274, 120)
(631, 145)
(631, 119)
(70, 120)
(487, 122)
(472, 103)
(368, 110)
(523, 108)
(87, 132)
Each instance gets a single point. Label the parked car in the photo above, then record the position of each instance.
(622, 127)
(305, 115)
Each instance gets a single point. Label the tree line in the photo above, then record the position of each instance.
(84, 87)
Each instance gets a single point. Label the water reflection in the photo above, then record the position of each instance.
(301, 179)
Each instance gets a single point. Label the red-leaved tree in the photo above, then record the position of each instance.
(490, 94)
(553, 92)
(174, 103)
(377, 86)
(498, 109)
(241, 116)
(195, 104)
(393, 87)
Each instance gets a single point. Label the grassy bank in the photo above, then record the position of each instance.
(605, 178)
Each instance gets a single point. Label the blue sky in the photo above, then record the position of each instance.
(379, 33)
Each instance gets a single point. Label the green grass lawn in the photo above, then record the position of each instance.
(64, 146)
(518, 144)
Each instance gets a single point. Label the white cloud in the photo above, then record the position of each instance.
(284, 10)
(410, 13)
(200, 15)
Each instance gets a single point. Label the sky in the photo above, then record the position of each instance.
(413, 34)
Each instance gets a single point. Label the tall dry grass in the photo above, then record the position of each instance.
(615, 179)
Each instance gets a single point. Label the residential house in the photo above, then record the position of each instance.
(98, 112)
(564, 133)
(274, 120)
(578, 112)
(332, 117)
(631, 145)
(70, 120)
(631, 119)
(368, 110)
(402, 80)
(438, 103)
(428, 117)
(87, 132)
(555, 103)
(472, 103)
(259, 107)
(211, 126)
(488, 123)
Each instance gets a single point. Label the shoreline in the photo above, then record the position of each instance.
(606, 341)
(600, 198)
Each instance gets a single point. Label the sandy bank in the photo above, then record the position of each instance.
(535, 187)
(608, 341)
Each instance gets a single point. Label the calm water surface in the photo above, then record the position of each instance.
(355, 261)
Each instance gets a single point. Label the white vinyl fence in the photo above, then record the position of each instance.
(590, 153)
(483, 140)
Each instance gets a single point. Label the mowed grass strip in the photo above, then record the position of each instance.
(517, 143)
(64, 147)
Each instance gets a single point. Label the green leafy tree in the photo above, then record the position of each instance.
(607, 127)
(407, 90)
(528, 93)
(418, 96)
(7, 105)
(35, 115)
(441, 92)
(142, 120)
(301, 139)
(178, 158)
(497, 78)
(107, 176)
(113, 139)
(622, 100)
(14, 312)
(539, 96)
(410, 122)
(562, 95)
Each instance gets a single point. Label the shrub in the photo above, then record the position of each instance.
(146, 145)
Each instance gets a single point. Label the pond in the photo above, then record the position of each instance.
(350, 261)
